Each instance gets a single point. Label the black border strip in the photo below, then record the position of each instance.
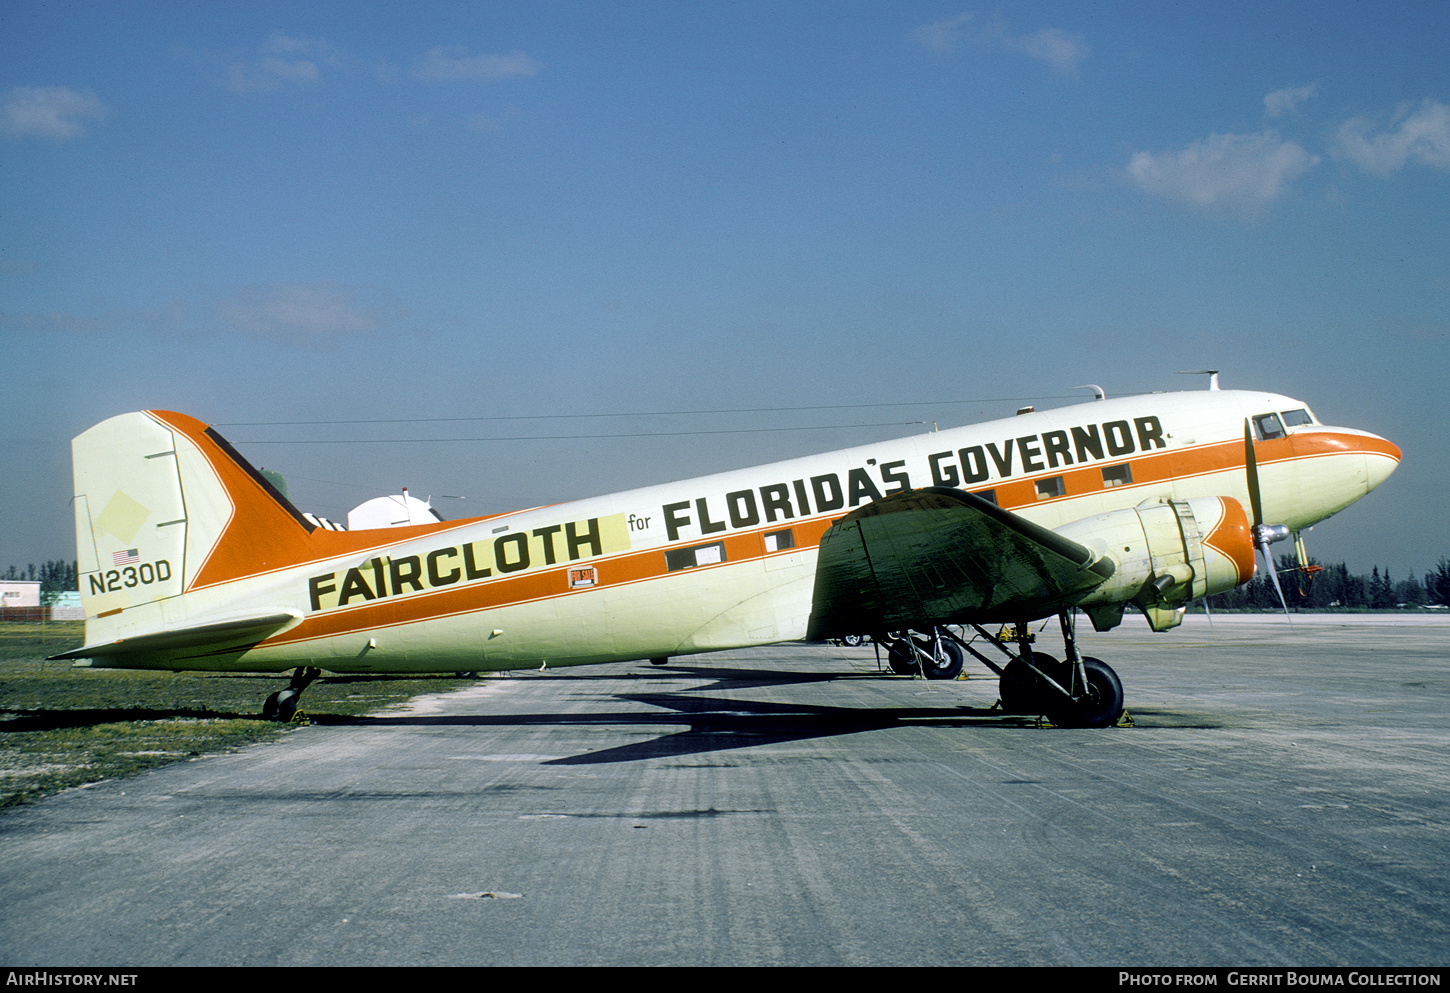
(259, 479)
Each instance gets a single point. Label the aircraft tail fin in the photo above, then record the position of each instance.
(164, 505)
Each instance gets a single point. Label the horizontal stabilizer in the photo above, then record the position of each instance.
(938, 555)
(242, 631)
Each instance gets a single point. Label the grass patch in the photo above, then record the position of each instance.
(62, 727)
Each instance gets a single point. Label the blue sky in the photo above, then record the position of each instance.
(602, 219)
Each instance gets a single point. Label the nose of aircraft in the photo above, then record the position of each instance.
(1381, 457)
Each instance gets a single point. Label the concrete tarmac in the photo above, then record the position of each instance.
(1280, 801)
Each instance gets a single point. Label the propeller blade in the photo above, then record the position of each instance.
(1251, 470)
(1274, 578)
(1263, 533)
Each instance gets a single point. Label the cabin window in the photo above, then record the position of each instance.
(779, 541)
(989, 495)
(1297, 418)
(1268, 426)
(688, 558)
(1050, 487)
(1117, 475)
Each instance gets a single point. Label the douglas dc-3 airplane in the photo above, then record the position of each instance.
(191, 560)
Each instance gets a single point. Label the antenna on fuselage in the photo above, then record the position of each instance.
(1212, 375)
(1098, 392)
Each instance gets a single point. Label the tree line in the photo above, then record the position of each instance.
(1330, 587)
(54, 577)
(1334, 587)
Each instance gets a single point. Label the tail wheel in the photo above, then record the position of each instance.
(1100, 707)
(287, 701)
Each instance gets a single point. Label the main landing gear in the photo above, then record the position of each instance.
(280, 706)
(1080, 692)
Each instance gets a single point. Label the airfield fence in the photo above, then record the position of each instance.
(36, 615)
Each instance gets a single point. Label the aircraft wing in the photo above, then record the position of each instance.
(938, 555)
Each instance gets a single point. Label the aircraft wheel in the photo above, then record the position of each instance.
(287, 706)
(902, 658)
(1019, 689)
(1101, 707)
(269, 709)
(852, 640)
(947, 665)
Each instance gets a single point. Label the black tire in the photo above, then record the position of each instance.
(287, 704)
(269, 709)
(852, 640)
(1100, 708)
(902, 658)
(1021, 691)
(946, 665)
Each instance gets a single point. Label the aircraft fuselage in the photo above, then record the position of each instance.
(716, 562)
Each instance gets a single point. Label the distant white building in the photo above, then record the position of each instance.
(19, 593)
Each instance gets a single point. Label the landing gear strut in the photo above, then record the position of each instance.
(280, 706)
(1081, 692)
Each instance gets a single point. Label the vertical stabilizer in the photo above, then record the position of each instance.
(165, 506)
(131, 514)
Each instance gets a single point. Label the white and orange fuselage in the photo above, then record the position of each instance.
(177, 533)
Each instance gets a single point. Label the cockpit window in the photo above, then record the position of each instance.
(1297, 418)
(1268, 426)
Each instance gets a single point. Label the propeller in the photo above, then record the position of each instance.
(1264, 534)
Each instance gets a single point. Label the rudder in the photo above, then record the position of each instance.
(130, 510)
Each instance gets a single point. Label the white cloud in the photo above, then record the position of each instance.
(1223, 169)
(1423, 136)
(283, 60)
(1280, 102)
(48, 111)
(297, 312)
(1061, 50)
(451, 63)
(942, 36)
(264, 75)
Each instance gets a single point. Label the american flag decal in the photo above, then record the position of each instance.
(128, 557)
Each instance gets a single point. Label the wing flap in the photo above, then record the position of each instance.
(938, 556)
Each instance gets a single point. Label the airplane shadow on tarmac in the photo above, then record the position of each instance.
(716, 723)
(60, 720)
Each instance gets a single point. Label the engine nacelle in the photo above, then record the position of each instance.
(1165, 554)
